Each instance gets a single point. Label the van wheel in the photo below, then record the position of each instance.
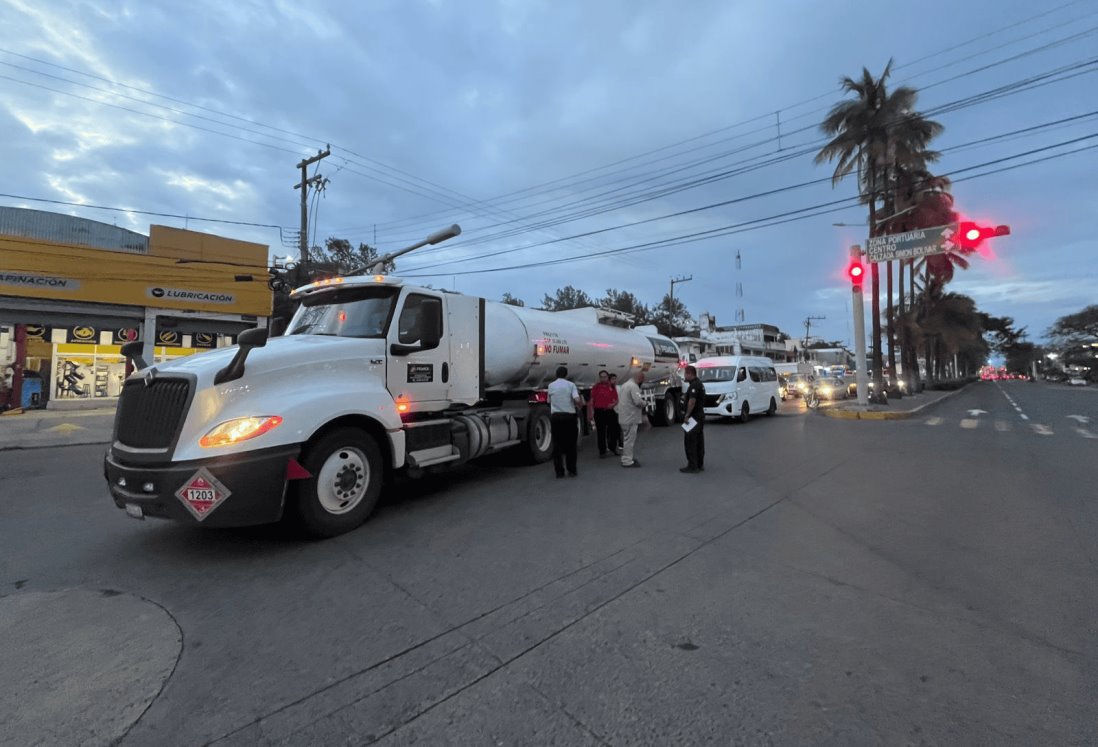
(745, 413)
(539, 435)
(347, 472)
(773, 407)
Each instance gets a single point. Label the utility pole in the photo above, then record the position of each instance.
(671, 298)
(303, 241)
(807, 327)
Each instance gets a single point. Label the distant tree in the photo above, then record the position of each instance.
(339, 257)
(672, 318)
(511, 300)
(1073, 329)
(566, 298)
(626, 302)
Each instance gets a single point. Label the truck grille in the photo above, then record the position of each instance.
(149, 416)
(711, 400)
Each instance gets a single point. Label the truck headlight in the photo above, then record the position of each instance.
(729, 397)
(239, 429)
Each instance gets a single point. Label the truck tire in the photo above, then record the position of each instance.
(745, 413)
(773, 408)
(347, 472)
(666, 411)
(539, 435)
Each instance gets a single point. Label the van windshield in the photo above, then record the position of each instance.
(717, 373)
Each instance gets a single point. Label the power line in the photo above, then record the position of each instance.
(979, 98)
(141, 212)
(804, 102)
(824, 208)
(1053, 76)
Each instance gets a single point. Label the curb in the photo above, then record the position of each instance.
(58, 445)
(886, 414)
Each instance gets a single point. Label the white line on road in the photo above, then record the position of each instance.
(970, 423)
(1014, 404)
(1002, 426)
(934, 420)
(1085, 433)
(1041, 430)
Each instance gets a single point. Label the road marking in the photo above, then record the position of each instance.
(1041, 430)
(970, 423)
(934, 420)
(977, 413)
(1080, 419)
(66, 428)
(1085, 433)
(1002, 426)
(1014, 404)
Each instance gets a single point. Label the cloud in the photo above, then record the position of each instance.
(491, 99)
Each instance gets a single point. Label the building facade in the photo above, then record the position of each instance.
(73, 291)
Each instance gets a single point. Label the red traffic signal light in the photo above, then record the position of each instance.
(856, 273)
(970, 235)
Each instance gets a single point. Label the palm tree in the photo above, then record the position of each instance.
(875, 133)
(922, 200)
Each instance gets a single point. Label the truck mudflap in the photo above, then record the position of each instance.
(234, 490)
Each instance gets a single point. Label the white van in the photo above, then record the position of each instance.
(737, 386)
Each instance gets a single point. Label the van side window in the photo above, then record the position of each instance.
(771, 374)
(756, 373)
(742, 375)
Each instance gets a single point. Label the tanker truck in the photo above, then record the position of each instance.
(373, 378)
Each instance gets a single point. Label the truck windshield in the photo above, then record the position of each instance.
(717, 373)
(346, 312)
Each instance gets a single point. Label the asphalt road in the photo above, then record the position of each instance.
(929, 581)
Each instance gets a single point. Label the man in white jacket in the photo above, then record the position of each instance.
(630, 409)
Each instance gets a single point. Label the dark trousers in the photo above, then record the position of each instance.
(694, 442)
(607, 430)
(565, 433)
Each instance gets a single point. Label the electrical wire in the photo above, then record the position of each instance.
(769, 221)
(1054, 76)
(793, 106)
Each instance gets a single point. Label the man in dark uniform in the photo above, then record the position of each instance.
(693, 407)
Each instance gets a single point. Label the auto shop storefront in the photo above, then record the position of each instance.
(73, 291)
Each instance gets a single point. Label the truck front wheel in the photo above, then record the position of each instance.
(347, 472)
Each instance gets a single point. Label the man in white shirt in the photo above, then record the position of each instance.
(630, 409)
(564, 401)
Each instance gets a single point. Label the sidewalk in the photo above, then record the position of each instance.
(35, 429)
(896, 409)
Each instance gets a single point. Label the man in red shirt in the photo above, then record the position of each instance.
(604, 396)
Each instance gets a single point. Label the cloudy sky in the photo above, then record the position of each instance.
(569, 131)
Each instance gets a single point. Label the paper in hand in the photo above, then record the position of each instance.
(689, 425)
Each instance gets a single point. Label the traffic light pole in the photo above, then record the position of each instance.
(858, 304)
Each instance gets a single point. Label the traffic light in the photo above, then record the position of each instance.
(970, 235)
(856, 272)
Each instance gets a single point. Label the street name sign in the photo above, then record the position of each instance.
(912, 244)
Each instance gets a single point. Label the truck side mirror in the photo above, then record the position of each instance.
(133, 350)
(246, 341)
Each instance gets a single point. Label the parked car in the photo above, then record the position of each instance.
(1077, 381)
